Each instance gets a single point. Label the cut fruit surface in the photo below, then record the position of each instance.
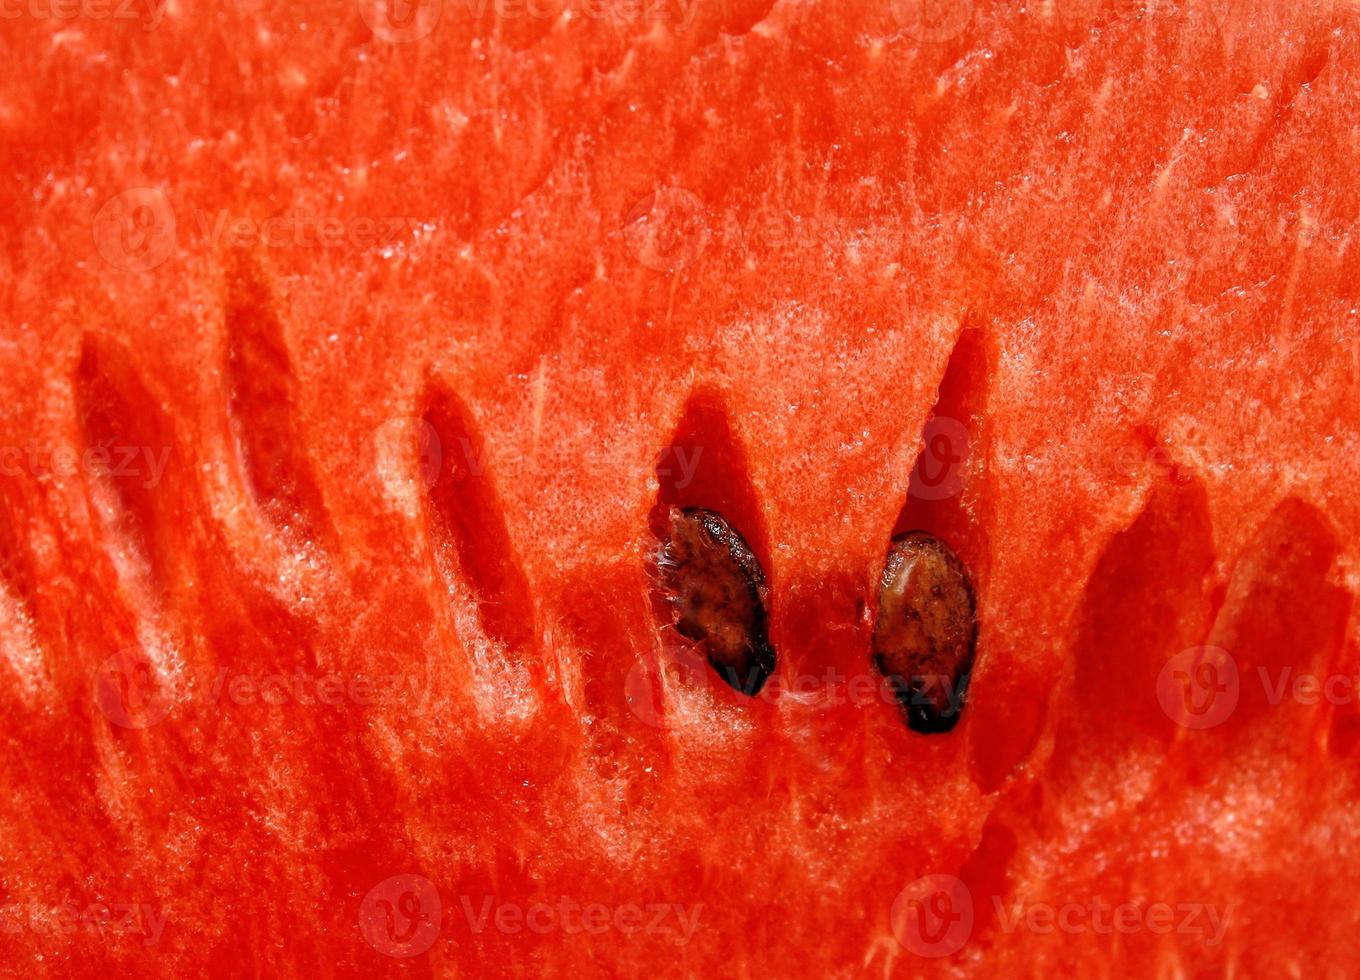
(348, 356)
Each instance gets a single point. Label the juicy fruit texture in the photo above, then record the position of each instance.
(1070, 286)
(717, 590)
(925, 633)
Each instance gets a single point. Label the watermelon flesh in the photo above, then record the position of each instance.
(345, 367)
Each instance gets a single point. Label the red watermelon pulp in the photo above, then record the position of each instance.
(349, 352)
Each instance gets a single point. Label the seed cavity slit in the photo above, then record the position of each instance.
(1283, 616)
(128, 443)
(925, 627)
(1145, 601)
(471, 542)
(951, 457)
(262, 407)
(709, 566)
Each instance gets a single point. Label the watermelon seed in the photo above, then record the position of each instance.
(716, 589)
(925, 634)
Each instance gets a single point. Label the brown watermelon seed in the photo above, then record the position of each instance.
(717, 593)
(926, 631)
